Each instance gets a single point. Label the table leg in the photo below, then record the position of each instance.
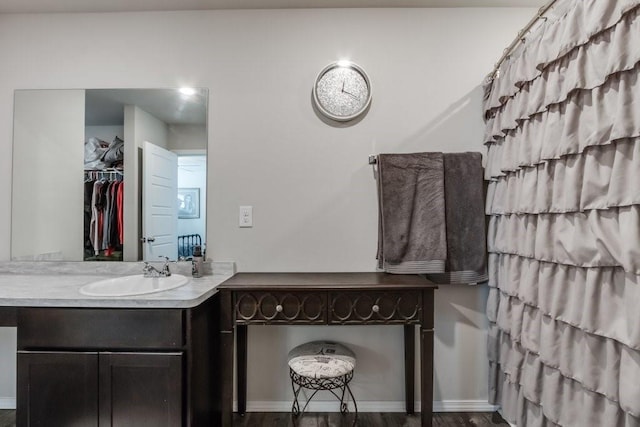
(241, 367)
(409, 367)
(226, 360)
(426, 373)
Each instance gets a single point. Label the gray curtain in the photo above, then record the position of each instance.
(563, 165)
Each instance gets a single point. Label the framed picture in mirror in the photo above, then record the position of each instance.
(188, 203)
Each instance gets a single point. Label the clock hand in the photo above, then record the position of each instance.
(351, 95)
(343, 86)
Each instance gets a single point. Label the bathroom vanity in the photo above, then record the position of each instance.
(145, 360)
(166, 358)
(115, 366)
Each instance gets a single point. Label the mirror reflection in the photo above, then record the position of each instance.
(109, 174)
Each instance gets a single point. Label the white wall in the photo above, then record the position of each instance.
(139, 126)
(49, 196)
(7, 375)
(187, 137)
(105, 133)
(309, 182)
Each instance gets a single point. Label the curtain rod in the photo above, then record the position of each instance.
(520, 37)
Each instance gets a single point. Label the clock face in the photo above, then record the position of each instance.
(342, 91)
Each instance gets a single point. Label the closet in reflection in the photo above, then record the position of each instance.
(103, 215)
(135, 191)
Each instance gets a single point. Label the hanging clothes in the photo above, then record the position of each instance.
(103, 216)
(120, 213)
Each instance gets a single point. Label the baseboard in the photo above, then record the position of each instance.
(372, 406)
(332, 406)
(7, 403)
(463, 406)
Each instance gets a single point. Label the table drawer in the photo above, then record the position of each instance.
(375, 307)
(258, 307)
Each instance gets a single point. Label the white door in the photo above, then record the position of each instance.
(159, 198)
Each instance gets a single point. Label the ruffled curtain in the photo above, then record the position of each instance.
(563, 165)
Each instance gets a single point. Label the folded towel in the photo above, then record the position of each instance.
(411, 225)
(465, 220)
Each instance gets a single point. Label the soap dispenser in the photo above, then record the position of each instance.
(196, 264)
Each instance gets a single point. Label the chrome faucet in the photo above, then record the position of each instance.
(150, 271)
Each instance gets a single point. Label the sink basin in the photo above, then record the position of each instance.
(132, 285)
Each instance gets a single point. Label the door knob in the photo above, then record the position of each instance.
(148, 239)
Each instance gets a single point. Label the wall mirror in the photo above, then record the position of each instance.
(108, 174)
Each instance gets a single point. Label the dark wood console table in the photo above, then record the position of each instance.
(326, 299)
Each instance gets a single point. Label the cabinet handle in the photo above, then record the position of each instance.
(375, 308)
(279, 308)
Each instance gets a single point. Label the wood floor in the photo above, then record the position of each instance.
(367, 419)
(7, 418)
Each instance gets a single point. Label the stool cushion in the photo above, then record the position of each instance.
(322, 359)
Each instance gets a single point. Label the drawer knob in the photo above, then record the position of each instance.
(279, 308)
(375, 308)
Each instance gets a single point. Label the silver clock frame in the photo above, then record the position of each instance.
(341, 64)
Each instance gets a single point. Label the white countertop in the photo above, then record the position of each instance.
(58, 285)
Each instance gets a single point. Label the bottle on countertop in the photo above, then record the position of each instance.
(196, 264)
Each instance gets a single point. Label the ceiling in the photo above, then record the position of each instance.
(105, 107)
(73, 6)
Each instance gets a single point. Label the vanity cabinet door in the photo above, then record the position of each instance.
(140, 389)
(99, 389)
(57, 389)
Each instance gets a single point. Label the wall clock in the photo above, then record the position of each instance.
(342, 91)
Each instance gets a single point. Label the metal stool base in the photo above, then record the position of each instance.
(341, 383)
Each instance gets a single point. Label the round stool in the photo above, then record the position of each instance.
(322, 365)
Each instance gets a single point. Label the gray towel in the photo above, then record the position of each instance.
(465, 220)
(411, 226)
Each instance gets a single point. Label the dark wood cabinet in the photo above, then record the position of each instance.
(140, 389)
(57, 389)
(99, 389)
(117, 367)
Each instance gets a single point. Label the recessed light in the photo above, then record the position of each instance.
(187, 91)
